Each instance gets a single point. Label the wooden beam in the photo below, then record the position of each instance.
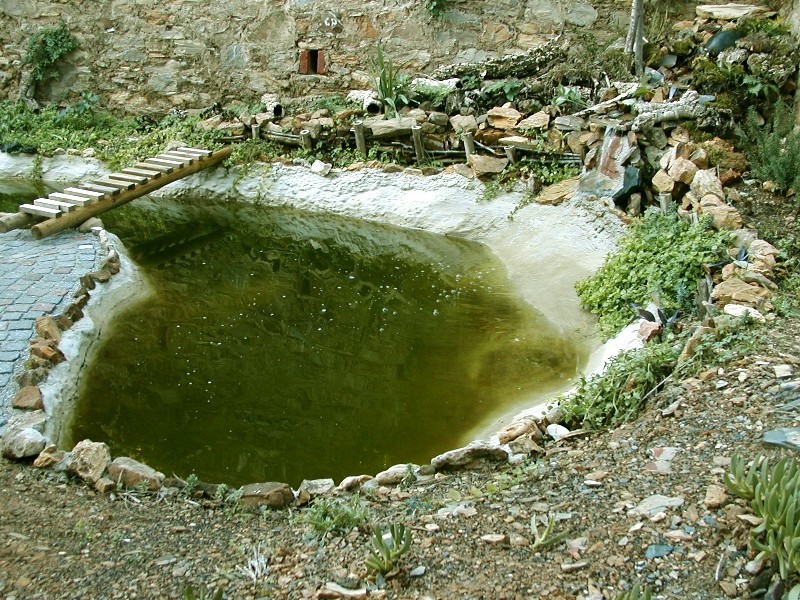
(40, 211)
(135, 179)
(105, 189)
(78, 216)
(70, 199)
(85, 193)
(142, 172)
(16, 220)
(114, 183)
(47, 203)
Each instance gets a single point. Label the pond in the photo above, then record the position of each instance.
(280, 345)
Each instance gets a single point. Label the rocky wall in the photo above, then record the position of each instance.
(150, 56)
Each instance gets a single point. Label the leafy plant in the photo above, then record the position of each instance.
(568, 97)
(636, 593)
(330, 515)
(661, 257)
(774, 495)
(45, 47)
(78, 111)
(389, 86)
(436, 8)
(189, 594)
(760, 87)
(508, 87)
(774, 149)
(190, 487)
(619, 393)
(255, 568)
(544, 539)
(383, 554)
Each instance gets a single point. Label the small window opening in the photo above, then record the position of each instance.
(312, 62)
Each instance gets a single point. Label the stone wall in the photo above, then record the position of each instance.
(150, 56)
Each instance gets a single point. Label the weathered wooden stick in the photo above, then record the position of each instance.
(78, 216)
(15, 221)
(361, 141)
(469, 144)
(511, 153)
(419, 149)
(305, 139)
(255, 130)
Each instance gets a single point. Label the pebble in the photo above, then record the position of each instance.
(658, 550)
(495, 538)
(417, 571)
(715, 496)
(576, 566)
(782, 371)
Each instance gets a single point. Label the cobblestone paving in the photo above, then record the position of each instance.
(37, 277)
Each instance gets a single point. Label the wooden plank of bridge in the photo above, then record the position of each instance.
(135, 179)
(153, 167)
(114, 183)
(48, 203)
(70, 199)
(142, 172)
(105, 189)
(93, 195)
(184, 158)
(169, 162)
(197, 151)
(40, 211)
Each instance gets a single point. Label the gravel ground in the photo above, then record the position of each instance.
(472, 535)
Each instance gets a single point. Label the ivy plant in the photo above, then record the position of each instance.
(45, 47)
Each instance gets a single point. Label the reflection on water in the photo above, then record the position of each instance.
(283, 345)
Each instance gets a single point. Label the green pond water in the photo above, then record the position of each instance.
(281, 345)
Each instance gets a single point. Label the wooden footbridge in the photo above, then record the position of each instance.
(74, 205)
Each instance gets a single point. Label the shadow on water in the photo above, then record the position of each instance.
(283, 345)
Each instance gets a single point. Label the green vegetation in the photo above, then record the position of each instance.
(636, 593)
(45, 48)
(620, 392)
(508, 88)
(773, 492)
(436, 8)
(661, 258)
(546, 538)
(189, 594)
(569, 98)
(773, 149)
(383, 554)
(334, 515)
(389, 85)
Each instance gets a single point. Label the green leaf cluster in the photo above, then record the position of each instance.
(334, 515)
(389, 85)
(436, 8)
(773, 149)
(45, 47)
(619, 393)
(774, 495)
(636, 593)
(661, 258)
(382, 554)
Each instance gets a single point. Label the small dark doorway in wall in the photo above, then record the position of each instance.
(312, 62)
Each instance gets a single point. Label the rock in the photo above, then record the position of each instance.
(580, 14)
(48, 457)
(738, 311)
(575, 566)
(783, 371)
(438, 118)
(464, 124)
(47, 350)
(390, 127)
(539, 120)
(662, 182)
(519, 141)
(462, 457)
(526, 445)
(131, 473)
(104, 485)
(487, 165)
(706, 182)
(786, 437)
(715, 496)
(724, 216)
(321, 168)
(28, 398)
(311, 488)
(683, 170)
(655, 504)
(556, 431)
(759, 251)
(354, 482)
(334, 590)
(23, 443)
(47, 329)
(417, 571)
(736, 291)
(658, 550)
(730, 11)
(495, 538)
(558, 192)
(648, 330)
(569, 123)
(271, 494)
(89, 460)
(33, 420)
(516, 429)
(503, 117)
(90, 224)
(394, 475)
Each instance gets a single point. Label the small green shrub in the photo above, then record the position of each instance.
(619, 393)
(636, 593)
(45, 47)
(389, 85)
(189, 594)
(382, 554)
(334, 515)
(661, 258)
(509, 88)
(774, 495)
(436, 8)
(774, 149)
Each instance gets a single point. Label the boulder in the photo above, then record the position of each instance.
(739, 311)
(354, 482)
(487, 165)
(519, 141)
(132, 473)
(736, 291)
(311, 488)
(463, 457)
(706, 182)
(518, 428)
(89, 460)
(48, 457)
(390, 127)
(464, 124)
(662, 182)
(393, 475)
(569, 123)
(28, 398)
(539, 120)
(503, 117)
(558, 192)
(23, 443)
(724, 216)
(730, 11)
(271, 494)
(682, 170)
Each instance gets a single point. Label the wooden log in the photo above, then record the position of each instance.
(16, 220)
(419, 149)
(511, 153)
(255, 131)
(361, 141)
(78, 216)
(305, 139)
(469, 144)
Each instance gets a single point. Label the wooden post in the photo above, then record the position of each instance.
(511, 153)
(361, 141)
(419, 149)
(664, 201)
(78, 216)
(305, 139)
(469, 144)
(15, 221)
(255, 129)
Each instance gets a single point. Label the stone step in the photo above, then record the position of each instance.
(41, 211)
(48, 203)
(115, 183)
(154, 167)
(150, 174)
(104, 189)
(70, 199)
(92, 195)
(136, 179)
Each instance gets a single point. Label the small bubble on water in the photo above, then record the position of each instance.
(435, 312)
